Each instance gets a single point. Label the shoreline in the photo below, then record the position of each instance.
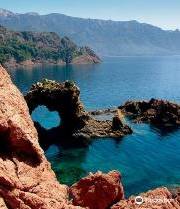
(27, 178)
(82, 60)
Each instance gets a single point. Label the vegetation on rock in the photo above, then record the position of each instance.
(38, 47)
(107, 38)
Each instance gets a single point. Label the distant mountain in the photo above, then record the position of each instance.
(41, 47)
(5, 13)
(105, 37)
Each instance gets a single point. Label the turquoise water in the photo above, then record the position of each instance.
(148, 158)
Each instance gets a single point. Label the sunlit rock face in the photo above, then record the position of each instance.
(102, 191)
(160, 198)
(98, 191)
(26, 178)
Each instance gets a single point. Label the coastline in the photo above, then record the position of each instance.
(81, 60)
(27, 180)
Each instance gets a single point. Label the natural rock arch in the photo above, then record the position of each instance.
(60, 97)
(47, 119)
(77, 125)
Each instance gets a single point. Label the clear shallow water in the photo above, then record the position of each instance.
(148, 158)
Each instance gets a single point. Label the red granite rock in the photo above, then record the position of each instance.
(98, 191)
(28, 182)
(26, 178)
(160, 198)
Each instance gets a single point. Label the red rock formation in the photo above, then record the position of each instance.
(98, 191)
(26, 178)
(160, 198)
(101, 191)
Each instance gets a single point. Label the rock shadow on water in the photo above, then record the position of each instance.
(56, 135)
(164, 131)
(67, 163)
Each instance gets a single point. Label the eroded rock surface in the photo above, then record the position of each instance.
(160, 198)
(26, 178)
(76, 124)
(102, 191)
(158, 112)
(60, 97)
(98, 191)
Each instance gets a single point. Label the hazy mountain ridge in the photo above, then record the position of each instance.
(106, 37)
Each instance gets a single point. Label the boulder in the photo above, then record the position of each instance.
(98, 191)
(117, 121)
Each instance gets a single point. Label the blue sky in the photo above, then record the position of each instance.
(163, 13)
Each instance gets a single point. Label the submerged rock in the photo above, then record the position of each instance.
(102, 112)
(160, 113)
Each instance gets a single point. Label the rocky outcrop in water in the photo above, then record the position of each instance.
(76, 124)
(60, 97)
(26, 178)
(160, 113)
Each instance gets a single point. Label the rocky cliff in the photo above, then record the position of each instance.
(26, 178)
